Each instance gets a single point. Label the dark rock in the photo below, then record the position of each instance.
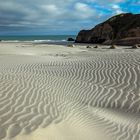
(70, 39)
(130, 41)
(135, 46)
(113, 47)
(123, 29)
(88, 47)
(96, 47)
(71, 45)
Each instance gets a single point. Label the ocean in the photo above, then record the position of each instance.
(37, 38)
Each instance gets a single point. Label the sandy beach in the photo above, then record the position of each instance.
(54, 92)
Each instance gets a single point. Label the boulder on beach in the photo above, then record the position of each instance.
(113, 47)
(123, 29)
(135, 46)
(70, 39)
(71, 45)
(88, 47)
(96, 47)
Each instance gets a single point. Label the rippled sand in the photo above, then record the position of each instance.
(50, 92)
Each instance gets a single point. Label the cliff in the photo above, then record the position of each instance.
(123, 29)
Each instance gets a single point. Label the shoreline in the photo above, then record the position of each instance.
(58, 42)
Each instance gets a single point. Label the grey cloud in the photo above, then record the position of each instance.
(47, 15)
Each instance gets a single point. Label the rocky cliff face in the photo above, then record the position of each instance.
(123, 29)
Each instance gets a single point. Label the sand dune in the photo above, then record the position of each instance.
(58, 93)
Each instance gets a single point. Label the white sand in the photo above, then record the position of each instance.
(50, 92)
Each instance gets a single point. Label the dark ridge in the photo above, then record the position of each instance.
(122, 29)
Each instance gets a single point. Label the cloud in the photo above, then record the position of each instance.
(106, 1)
(117, 9)
(58, 16)
(83, 11)
(51, 8)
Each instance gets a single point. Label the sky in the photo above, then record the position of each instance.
(58, 17)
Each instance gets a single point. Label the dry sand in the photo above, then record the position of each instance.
(50, 92)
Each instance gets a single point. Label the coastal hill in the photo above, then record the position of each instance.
(123, 29)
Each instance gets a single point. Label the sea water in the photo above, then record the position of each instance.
(37, 38)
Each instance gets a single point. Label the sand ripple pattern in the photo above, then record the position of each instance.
(101, 90)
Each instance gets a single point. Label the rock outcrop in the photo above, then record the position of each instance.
(123, 29)
(70, 39)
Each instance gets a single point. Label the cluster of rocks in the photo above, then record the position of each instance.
(136, 46)
(123, 29)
